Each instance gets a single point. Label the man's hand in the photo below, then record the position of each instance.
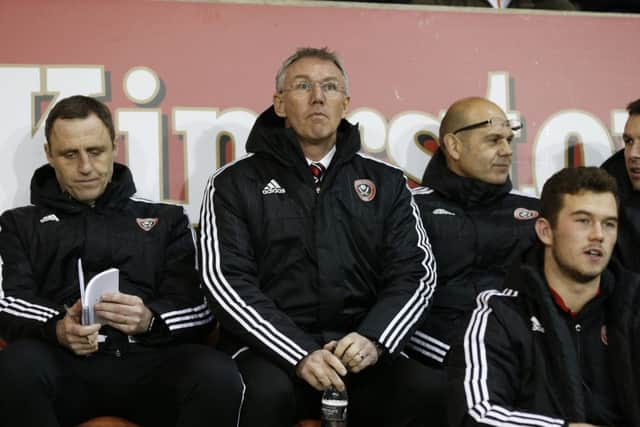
(124, 312)
(80, 339)
(355, 351)
(322, 370)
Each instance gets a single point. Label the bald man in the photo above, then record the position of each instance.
(476, 223)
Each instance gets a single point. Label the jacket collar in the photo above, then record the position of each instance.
(467, 192)
(527, 275)
(270, 136)
(46, 192)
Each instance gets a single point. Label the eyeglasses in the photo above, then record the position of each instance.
(497, 124)
(329, 88)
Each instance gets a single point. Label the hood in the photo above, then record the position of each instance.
(270, 136)
(467, 192)
(45, 190)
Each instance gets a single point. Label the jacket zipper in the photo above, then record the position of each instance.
(578, 328)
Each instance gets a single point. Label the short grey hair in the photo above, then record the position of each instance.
(310, 52)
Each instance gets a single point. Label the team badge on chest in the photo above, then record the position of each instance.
(147, 223)
(524, 214)
(365, 189)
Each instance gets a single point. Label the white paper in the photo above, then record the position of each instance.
(107, 281)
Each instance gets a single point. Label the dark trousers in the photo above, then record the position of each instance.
(436, 383)
(43, 385)
(389, 394)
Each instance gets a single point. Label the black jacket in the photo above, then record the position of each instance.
(476, 231)
(40, 246)
(628, 243)
(526, 361)
(289, 269)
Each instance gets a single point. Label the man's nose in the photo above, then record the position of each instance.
(317, 94)
(84, 163)
(505, 147)
(597, 233)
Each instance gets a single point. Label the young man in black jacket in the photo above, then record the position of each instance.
(143, 362)
(559, 345)
(315, 260)
(624, 166)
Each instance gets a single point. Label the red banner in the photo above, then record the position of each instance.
(186, 80)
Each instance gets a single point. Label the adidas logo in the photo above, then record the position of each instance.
(536, 326)
(49, 218)
(273, 188)
(441, 211)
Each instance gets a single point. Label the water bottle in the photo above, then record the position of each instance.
(334, 408)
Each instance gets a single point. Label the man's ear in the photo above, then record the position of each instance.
(544, 231)
(47, 152)
(345, 106)
(452, 146)
(278, 105)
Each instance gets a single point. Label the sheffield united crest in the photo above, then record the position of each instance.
(365, 189)
(524, 214)
(147, 223)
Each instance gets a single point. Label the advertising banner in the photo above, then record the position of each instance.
(186, 80)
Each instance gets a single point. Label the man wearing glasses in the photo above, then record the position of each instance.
(316, 261)
(624, 166)
(475, 222)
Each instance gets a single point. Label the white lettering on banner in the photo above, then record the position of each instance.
(21, 153)
(618, 120)
(195, 125)
(208, 134)
(403, 147)
(560, 131)
(200, 129)
(22, 132)
(141, 85)
(65, 80)
(373, 129)
(142, 129)
(499, 91)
